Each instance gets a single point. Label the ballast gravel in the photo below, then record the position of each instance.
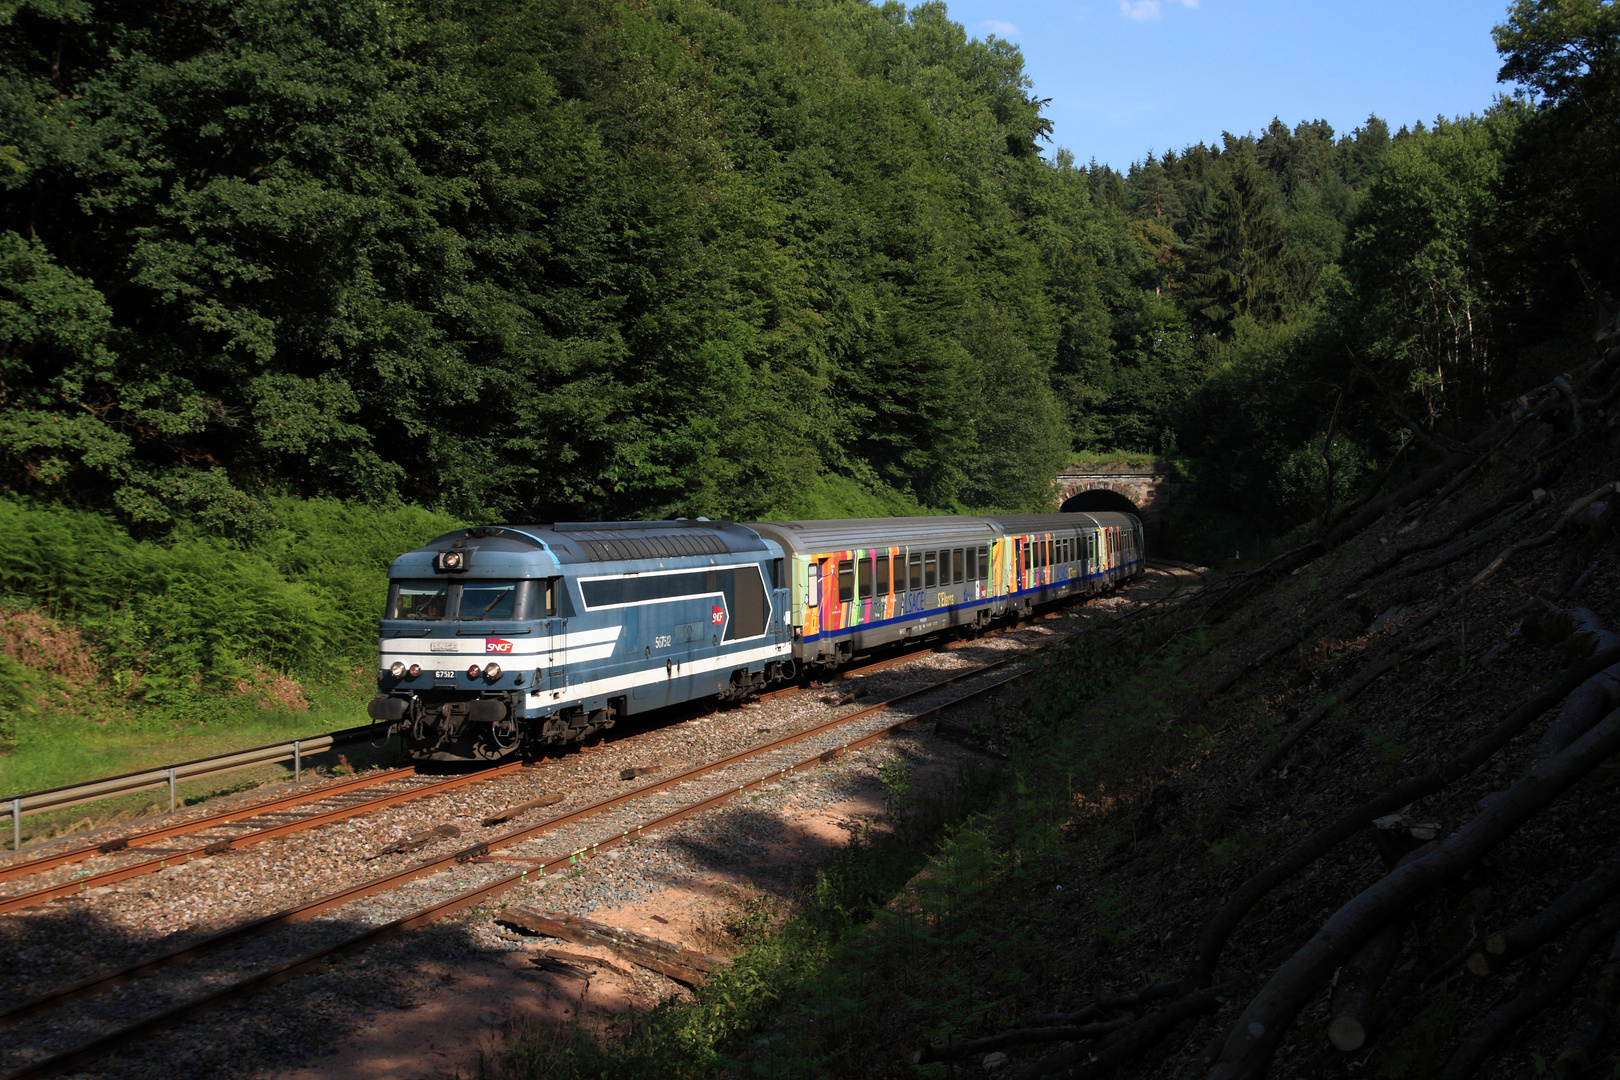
(67, 940)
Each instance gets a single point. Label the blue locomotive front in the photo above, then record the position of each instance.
(503, 637)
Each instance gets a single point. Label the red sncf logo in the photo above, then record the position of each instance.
(497, 645)
(717, 616)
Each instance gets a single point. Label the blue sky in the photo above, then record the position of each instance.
(1126, 76)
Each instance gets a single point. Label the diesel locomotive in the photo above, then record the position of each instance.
(504, 638)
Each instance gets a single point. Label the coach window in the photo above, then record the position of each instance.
(958, 566)
(973, 564)
(915, 570)
(930, 569)
(882, 562)
(812, 585)
(846, 582)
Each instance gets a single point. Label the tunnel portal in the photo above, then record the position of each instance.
(1100, 500)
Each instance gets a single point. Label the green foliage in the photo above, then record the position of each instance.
(179, 623)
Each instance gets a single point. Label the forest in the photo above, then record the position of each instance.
(580, 259)
(288, 288)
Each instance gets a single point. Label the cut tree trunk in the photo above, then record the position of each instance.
(1254, 1039)
(1550, 986)
(1212, 940)
(1552, 920)
(1359, 983)
(1125, 1045)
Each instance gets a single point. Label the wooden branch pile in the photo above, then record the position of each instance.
(1349, 960)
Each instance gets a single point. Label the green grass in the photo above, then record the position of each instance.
(55, 749)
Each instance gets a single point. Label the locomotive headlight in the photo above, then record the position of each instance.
(492, 672)
(396, 669)
(474, 671)
(415, 670)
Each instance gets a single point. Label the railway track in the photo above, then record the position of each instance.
(24, 867)
(494, 855)
(132, 843)
(499, 861)
(495, 859)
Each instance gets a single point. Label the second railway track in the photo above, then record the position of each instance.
(169, 985)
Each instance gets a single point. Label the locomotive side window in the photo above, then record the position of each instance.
(846, 582)
(958, 566)
(882, 577)
(916, 571)
(930, 570)
(418, 600)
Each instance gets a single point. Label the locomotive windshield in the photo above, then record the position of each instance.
(418, 600)
(487, 600)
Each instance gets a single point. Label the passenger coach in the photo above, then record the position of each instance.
(499, 637)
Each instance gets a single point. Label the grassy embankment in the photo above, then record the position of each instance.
(120, 654)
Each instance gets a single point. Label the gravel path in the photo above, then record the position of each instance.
(69, 939)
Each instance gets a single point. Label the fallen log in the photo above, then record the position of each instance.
(1213, 938)
(1550, 921)
(1128, 1043)
(1369, 674)
(513, 811)
(673, 961)
(1551, 985)
(1017, 1037)
(1592, 699)
(1254, 1038)
(1156, 992)
(1059, 1027)
(1359, 983)
(418, 840)
(1596, 1012)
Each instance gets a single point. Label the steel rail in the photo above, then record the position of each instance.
(217, 847)
(97, 983)
(282, 972)
(110, 847)
(33, 802)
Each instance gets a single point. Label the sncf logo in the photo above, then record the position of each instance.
(717, 616)
(497, 645)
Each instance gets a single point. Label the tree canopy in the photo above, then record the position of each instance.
(631, 258)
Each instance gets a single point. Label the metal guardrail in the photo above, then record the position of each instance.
(171, 775)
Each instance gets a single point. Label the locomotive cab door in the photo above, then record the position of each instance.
(555, 651)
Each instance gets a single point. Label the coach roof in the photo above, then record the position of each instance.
(816, 537)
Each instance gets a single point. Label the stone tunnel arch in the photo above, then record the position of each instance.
(1100, 500)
